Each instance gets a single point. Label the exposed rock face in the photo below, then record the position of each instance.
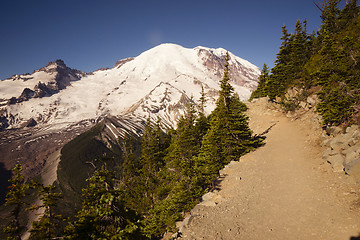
(119, 63)
(57, 76)
(3, 123)
(30, 123)
(239, 74)
(343, 149)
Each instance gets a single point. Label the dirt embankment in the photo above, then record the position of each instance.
(283, 190)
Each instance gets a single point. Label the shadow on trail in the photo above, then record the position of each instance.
(216, 183)
(355, 238)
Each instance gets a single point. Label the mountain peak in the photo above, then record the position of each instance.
(57, 63)
(182, 71)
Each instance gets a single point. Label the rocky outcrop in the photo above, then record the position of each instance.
(30, 123)
(63, 78)
(343, 149)
(240, 74)
(119, 63)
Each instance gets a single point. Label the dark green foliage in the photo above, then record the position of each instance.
(260, 91)
(77, 154)
(329, 15)
(103, 215)
(179, 189)
(153, 145)
(229, 135)
(185, 143)
(76, 166)
(294, 53)
(15, 199)
(329, 62)
(335, 67)
(46, 227)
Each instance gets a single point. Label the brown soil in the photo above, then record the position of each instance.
(283, 190)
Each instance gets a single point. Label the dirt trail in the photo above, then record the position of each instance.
(283, 190)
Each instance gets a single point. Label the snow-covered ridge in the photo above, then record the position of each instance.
(222, 52)
(158, 82)
(56, 76)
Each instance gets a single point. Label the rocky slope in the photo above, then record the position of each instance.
(284, 190)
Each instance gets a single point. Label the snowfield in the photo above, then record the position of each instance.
(158, 82)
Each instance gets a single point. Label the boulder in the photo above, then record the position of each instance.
(336, 162)
(353, 169)
(312, 100)
(354, 148)
(348, 143)
(337, 144)
(330, 152)
(303, 104)
(350, 157)
(356, 135)
(326, 142)
(342, 141)
(30, 123)
(351, 129)
(334, 130)
(292, 92)
(185, 223)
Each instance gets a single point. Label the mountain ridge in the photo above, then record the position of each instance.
(94, 95)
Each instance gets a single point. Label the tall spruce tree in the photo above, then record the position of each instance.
(278, 80)
(329, 15)
(46, 226)
(260, 90)
(153, 149)
(184, 144)
(15, 199)
(229, 135)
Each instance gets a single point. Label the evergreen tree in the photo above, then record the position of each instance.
(229, 135)
(349, 14)
(184, 144)
(145, 179)
(300, 52)
(131, 165)
(202, 100)
(15, 199)
(46, 227)
(103, 215)
(278, 80)
(329, 15)
(154, 145)
(260, 90)
(202, 121)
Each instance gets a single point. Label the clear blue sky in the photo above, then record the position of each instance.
(92, 34)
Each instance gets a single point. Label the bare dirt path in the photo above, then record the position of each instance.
(283, 190)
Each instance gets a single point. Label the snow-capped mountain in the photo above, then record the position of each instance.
(43, 82)
(158, 83)
(42, 111)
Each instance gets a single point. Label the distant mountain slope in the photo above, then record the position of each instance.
(118, 90)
